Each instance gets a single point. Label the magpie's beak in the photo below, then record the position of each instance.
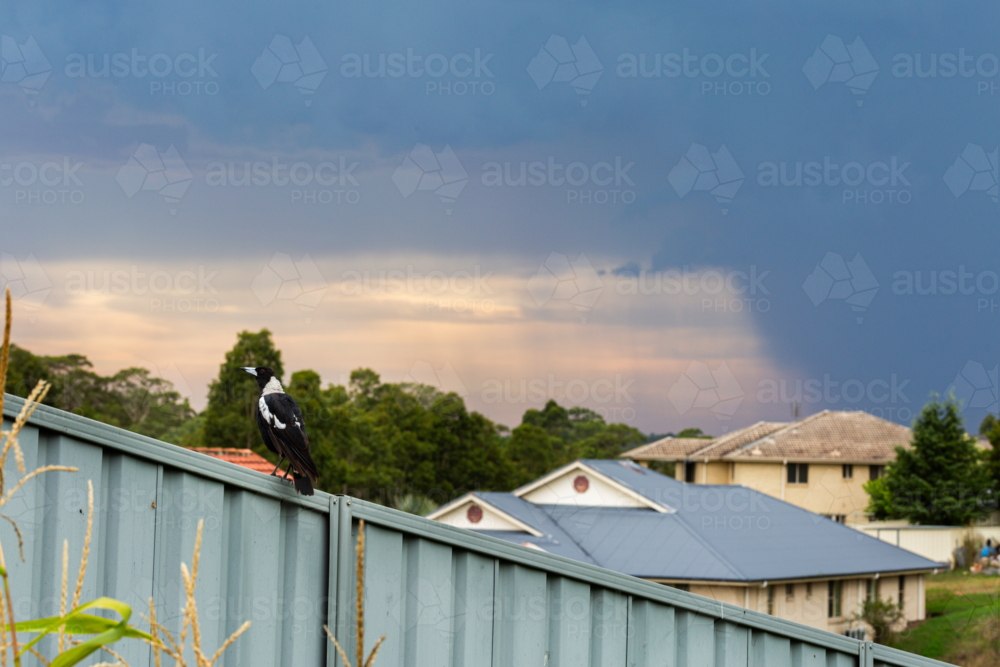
(248, 369)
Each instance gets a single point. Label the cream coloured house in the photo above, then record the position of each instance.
(819, 463)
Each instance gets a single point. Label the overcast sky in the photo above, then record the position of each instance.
(674, 215)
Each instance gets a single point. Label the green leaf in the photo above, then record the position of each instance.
(87, 623)
(78, 653)
(80, 624)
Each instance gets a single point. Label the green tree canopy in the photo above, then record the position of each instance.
(938, 481)
(231, 417)
(132, 398)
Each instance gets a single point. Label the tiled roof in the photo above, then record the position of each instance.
(838, 436)
(851, 437)
(241, 457)
(666, 449)
(740, 438)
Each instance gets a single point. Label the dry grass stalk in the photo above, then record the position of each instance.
(62, 600)
(359, 608)
(160, 633)
(3, 636)
(10, 442)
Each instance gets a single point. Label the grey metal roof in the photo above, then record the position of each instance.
(713, 533)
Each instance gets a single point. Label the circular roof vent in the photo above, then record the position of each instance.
(474, 514)
(581, 484)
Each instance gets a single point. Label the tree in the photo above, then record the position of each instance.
(231, 414)
(693, 433)
(610, 442)
(883, 616)
(993, 460)
(988, 424)
(531, 453)
(132, 398)
(940, 480)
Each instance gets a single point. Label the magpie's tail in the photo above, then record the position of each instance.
(303, 484)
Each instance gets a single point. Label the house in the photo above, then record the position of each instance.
(819, 463)
(726, 542)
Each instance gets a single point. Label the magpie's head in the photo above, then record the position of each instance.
(262, 373)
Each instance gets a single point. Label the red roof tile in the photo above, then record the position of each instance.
(241, 457)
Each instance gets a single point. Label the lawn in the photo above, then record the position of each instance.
(963, 621)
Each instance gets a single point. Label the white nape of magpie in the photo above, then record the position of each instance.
(284, 430)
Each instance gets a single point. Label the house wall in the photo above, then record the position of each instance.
(933, 542)
(826, 492)
(813, 609)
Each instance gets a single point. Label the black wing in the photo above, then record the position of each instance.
(265, 432)
(286, 424)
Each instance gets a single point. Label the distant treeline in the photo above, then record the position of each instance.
(394, 443)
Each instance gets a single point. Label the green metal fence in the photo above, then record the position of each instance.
(442, 596)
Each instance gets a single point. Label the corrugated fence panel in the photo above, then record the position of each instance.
(443, 597)
(303, 641)
(129, 497)
(472, 610)
(608, 627)
(652, 641)
(520, 631)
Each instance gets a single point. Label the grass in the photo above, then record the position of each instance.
(963, 621)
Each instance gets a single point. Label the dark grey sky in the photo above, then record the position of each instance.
(900, 100)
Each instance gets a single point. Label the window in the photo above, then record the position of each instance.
(833, 607)
(789, 591)
(689, 471)
(809, 589)
(683, 587)
(798, 473)
(770, 600)
(902, 586)
(847, 470)
(869, 587)
(874, 472)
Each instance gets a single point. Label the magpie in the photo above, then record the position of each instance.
(283, 429)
